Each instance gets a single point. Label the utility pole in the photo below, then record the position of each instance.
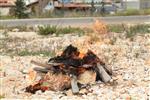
(92, 7)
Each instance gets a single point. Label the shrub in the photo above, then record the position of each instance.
(128, 12)
(46, 30)
(146, 11)
(116, 28)
(137, 29)
(70, 29)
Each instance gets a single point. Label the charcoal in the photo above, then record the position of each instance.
(69, 63)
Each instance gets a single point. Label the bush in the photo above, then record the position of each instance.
(146, 11)
(46, 30)
(130, 12)
(67, 30)
(137, 29)
(116, 28)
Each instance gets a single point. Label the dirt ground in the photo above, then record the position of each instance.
(128, 58)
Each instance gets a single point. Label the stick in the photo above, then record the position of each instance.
(41, 64)
(74, 86)
(103, 74)
(40, 70)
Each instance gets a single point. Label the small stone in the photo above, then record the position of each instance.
(69, 92)
(87, 77)
(39, 92)
(147, 62)
(83, 91)
(127, 76)
(15, 30)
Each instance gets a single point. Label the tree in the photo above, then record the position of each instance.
(20, 9)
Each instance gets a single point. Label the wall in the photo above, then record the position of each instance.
(42, 4)
(4, 11)
(34, 9)
(131, 4)
(145, 4)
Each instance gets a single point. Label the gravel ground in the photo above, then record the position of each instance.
(129, 59)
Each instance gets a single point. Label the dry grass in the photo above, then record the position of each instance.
(99, 31)
(100, 27)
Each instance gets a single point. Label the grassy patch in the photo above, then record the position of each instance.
(49, 30)
(130, 12)
(137, 29)
(2, 96)
(116, 28)
(130, 30)
(22, 28)
(38, 53)
(46, 30)
(67, 30)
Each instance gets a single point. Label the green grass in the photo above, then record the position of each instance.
(137, 29)
(7, 17)
(2, 96)
(46, 30)
(49, 30)
(130, 12)
(130, 30)
(116, 28)
(22, 28)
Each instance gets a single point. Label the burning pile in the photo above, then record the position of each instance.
(70, 69)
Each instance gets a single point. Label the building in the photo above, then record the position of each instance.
(6, 7)
(39, 6)
(136, 4)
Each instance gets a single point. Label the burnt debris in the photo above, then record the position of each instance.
(62, 72)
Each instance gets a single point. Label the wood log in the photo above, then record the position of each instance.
(55, 64)
(41, 70)
(74, 85)
(41, 64)
(103, 74)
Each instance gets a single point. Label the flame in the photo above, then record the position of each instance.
(81, 55)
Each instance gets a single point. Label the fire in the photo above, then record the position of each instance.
(81, 55)
(84, 67)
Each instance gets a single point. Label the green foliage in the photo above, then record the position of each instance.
(67, 30)
(116, 28)
(130, 30)
(137, 29)
(48, 30)
(130, 12)
(20, 9)
(2, 96)
(147, 11)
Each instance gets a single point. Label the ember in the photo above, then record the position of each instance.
(67, 70)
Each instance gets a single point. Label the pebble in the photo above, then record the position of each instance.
(131, 70)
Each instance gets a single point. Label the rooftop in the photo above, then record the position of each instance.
(7, 3)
